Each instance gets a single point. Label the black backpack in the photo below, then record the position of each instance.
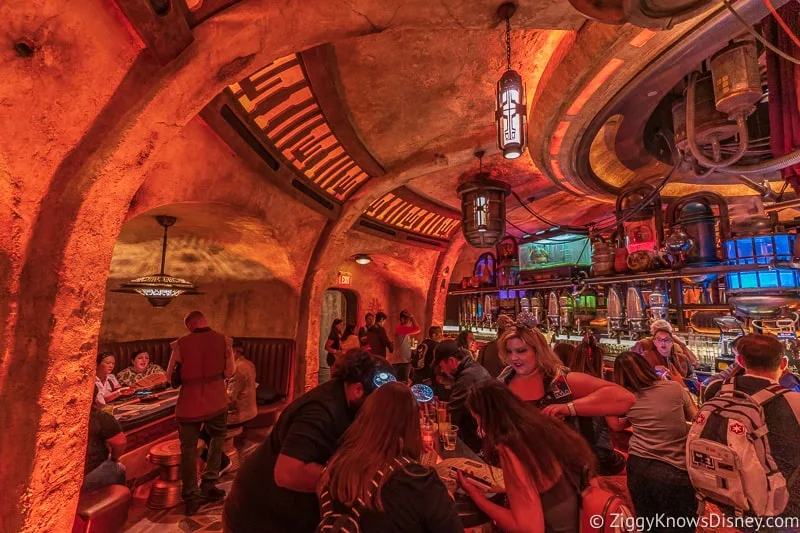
(348, 521)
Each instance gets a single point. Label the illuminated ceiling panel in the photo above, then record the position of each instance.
(280, 101)
(400, 209)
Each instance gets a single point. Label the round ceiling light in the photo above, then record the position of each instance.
(362, 259)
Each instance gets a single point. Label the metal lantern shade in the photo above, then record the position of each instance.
(510, 115)
(483, 210)
(159, 289)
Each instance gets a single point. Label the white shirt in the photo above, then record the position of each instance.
(104, 389)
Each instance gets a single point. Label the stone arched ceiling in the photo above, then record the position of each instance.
(209, 242)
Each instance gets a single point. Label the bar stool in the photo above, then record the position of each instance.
(166, 490)
(229, 448)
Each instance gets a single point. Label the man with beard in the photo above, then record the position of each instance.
(275, 489)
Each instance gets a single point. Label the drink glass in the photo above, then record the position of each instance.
(428, 434)
(441, 412)
(450, 437)
(444, 425)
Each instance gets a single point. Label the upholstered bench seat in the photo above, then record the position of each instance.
(267, 415)
(102, 511)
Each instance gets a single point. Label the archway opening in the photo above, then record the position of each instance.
(336, 304)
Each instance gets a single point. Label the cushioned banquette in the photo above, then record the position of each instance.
(273, 359)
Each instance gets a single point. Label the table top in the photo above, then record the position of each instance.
(468, 512)
(132, 412)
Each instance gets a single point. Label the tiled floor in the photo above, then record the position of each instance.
(144, 520)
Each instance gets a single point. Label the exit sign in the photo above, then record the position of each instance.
(344, 278)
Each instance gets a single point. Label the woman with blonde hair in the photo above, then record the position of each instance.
(375, 479)
(537, 376)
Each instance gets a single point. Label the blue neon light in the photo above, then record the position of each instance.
(761, 250)
(382, 378)
(422, 392)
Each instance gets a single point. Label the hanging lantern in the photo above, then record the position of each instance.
(159, 289)
(510, 105)
(483, 209)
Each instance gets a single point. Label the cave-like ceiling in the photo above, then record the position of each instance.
(342, 114)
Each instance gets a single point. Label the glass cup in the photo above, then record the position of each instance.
(441, 412)
(428, 434)
(450, 437)
(444, 425)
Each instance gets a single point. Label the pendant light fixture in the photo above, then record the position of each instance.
(483, 208)
(510, 105)
(160, 289)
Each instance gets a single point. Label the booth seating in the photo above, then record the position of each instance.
(273, 359)
(102, 511)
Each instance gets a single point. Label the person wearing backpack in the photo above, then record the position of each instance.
(657, 477)
(374, 482)
(770, 460)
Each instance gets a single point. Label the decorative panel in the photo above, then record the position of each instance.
(280, 102)
(401, 210)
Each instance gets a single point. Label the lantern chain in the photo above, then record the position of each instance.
(508, 42)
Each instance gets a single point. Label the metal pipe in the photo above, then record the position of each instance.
(771, 165)
(741, 123)
(782, 205)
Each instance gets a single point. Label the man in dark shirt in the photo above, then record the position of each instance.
(106, 445)
(377, 339)
(369, 321)
(459, 364)
(762, 358)
(274, 490)
(422, 359)
(489, 356)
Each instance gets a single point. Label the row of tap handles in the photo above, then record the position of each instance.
(632, 318)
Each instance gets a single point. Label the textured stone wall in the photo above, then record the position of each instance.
(239, 308)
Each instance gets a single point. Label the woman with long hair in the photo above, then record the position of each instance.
(588, 357)
(349, 340)
(376, 471)
(334, 343)
(538, 377)
(565, 352)
(466, 340)
(545, 464)
(657, 477)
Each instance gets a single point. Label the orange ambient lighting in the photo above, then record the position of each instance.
(558, 137)
(643, 38)
(593, 85)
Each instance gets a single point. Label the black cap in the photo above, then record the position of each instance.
(444, 350)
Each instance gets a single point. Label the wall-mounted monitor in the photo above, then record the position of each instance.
(566, 249)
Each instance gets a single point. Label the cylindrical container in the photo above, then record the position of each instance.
(603, 258)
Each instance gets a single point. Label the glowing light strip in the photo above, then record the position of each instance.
(643, 38)
(599, 79)
(558, 137)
